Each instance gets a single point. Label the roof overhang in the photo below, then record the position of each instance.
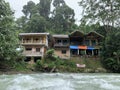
(95, 34)
(77, 33)
(33, 34)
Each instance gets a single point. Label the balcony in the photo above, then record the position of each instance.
(30, 53)
(33, 42)
(61, 45)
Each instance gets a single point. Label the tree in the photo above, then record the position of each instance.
(111, 51)
(8, 37)
(106, 12)
(58, 3)
(29, 9)
(44, 8)
(21, 23)
(62, 17)
(37, 23)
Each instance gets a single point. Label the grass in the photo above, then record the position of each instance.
(91, 62)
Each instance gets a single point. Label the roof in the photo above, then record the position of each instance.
(77, 33)
(95, 33)
(60, 36)
(29, 34)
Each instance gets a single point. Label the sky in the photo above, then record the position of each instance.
(17, 6)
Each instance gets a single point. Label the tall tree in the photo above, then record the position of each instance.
(111, 51)
(44, 7)
(8, 40)
(58, 3)
(62, 17)
(29, 9)
(37, 23)
(105, 12)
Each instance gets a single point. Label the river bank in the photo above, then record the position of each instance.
(59, 66)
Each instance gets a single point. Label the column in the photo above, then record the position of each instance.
(92, 53)
(78, 51)
(98, 52)
(85, 51)
(22, 41)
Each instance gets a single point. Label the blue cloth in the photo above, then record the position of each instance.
(74, 47)
(90, 47)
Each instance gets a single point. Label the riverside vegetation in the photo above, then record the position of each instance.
(37, 19)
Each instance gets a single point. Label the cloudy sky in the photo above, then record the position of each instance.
(17, 5)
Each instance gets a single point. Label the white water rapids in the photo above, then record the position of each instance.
(59, 81)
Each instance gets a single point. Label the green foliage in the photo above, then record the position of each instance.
(29, 9)
(9, 56)
(36, 24)
(38, 17)
(44, 8)
(50, 62)
(50, 53)
(111, 51)
(62, 17)
(106, 12)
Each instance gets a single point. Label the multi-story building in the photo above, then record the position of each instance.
(34, 44)
(61, 46)
(85, 44)
(77, 44)
(65, 46)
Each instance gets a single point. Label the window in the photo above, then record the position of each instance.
(87, 42)
(65, 42)
(28, 49)
(28, 40)
(63, 51)
(37, 49)
(36, 39)
(93, 42)
(58, 41)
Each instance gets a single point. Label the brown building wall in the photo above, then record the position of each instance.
(63, 53)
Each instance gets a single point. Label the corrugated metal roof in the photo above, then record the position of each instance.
(60, 36)
(27, 34)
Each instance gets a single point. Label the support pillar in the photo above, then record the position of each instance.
(92, 53)
(32, 60)
(85, 52)
(78, 52)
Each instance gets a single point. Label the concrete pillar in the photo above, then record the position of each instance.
(78, 52)
(32, 60)
(22, 40)
(98, 52)
(85, 52)
(92, 53)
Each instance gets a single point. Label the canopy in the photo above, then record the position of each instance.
(90, 48)
(73, 47)
(82, 47)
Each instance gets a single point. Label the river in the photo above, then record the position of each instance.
(59, 81)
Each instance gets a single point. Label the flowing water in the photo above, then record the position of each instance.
(58, 81)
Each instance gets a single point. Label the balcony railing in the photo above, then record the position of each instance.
(31, 53)
(61, 44)
(33, 42)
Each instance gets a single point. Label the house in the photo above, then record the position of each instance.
(61, 46)
(34, 44)
(85, 44)
(77, 44)
(66, 46)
